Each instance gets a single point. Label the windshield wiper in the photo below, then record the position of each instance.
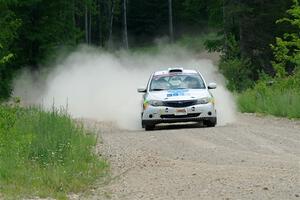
(157, 89)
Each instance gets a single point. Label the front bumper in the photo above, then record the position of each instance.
(163, 114)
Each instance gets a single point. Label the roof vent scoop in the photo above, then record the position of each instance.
(175, 70)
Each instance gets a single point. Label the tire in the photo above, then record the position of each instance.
(211, 122)
(149, 127)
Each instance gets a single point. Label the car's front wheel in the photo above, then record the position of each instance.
(149, 127)
(211, 122)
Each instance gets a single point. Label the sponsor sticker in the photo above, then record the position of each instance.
(177, 93)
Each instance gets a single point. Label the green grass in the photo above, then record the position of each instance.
(45, 154)
(281, 104)
(281, 99)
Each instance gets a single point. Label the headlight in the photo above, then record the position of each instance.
(204, 100)
(156, 103)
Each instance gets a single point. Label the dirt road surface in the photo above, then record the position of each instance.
(253, 158)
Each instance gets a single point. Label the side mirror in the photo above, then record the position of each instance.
(142, 90)
(212, 86)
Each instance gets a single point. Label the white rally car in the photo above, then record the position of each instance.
(177, 95)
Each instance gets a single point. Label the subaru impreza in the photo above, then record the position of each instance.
(177, 95)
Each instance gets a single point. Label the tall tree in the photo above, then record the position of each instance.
(86, 23)
(257, 30)
(225, 21)
(111, 22)
(171, 26)
(9, 34)
(100, 21)
(287, 48)
(90, 27)
(125, 32)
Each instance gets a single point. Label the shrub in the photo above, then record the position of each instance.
(237, 72)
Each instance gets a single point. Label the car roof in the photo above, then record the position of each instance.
(181, 70)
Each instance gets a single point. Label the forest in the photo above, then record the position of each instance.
(255, 37)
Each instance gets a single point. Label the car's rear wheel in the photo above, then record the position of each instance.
(211, 122)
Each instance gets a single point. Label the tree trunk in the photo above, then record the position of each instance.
(241, 35)
(73, 21)
(74, 14)
(125, 34)
(112, 7)
(86, 25)
(171, 27)
(100, 23)
(225, 24)
(90, 27)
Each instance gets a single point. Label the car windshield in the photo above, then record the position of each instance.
(176, 81)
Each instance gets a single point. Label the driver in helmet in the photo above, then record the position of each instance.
(192, 82)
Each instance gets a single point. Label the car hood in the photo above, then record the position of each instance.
(178, 95)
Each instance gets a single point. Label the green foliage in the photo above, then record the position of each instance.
(45, 154)
(8, 34)
(215, 14)
(287, 49)
(196, 43)
(250, 26)
(33, 31)
(231, 49)
(237, 71)
(53, 27)
(216, 43)
(280, 97)
(5, 59)
(248, 29)
(198, 12)
(9, 24)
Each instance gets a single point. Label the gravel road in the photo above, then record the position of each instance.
(253, 158)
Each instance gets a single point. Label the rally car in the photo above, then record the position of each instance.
(177, 95)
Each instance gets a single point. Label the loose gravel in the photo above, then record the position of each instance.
(253, 158)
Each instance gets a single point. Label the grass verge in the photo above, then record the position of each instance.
(45, 154)
(281, 99)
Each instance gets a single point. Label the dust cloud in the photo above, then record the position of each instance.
(98, 85)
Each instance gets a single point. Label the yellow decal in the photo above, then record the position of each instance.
(145, 105)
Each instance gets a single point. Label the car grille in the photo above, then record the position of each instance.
(179, 104)
(180, 116)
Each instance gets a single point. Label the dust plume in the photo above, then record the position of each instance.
(99, 85)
